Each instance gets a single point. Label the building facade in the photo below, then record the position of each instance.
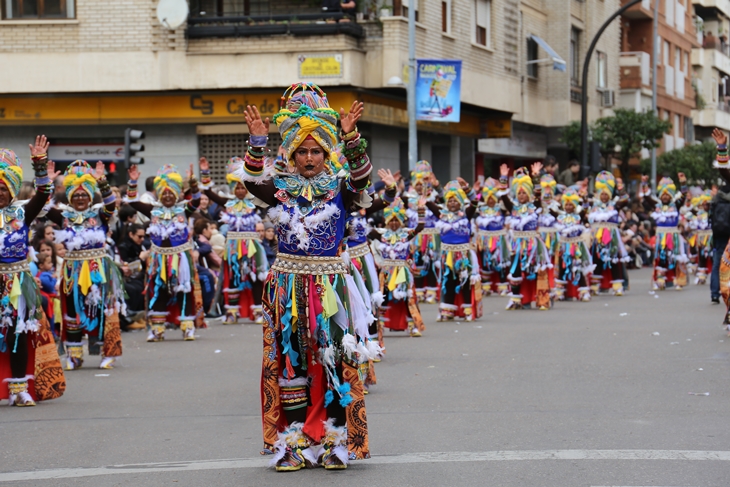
(84, 70)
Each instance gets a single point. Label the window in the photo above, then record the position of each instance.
(714, 92)
(602, 64)
(482, 19)
(531, 56)
(402, 7)
(575, 56)
(665, 54)
(446, 16)
(38, 9)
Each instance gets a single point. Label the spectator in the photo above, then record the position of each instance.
(569, 177)
(204, 208)
(551, 166)
(27, 190)
(260, 228)
(269, 242)
(202, 233)
(134, 257)
(41, 248)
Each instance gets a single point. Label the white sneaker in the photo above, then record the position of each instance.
(107, 363)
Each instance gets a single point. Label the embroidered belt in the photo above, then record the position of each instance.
(455, 247)
(306, 264)
(172, 250)
(667, 230)
(430, 231)
(243, 236)
(492, 233)
(359, 250)
(547, 229)
(87, 254)
(521, 234)
(394, 263)
(703, 233)
(608, 225)
(15, 267)
(579, 239)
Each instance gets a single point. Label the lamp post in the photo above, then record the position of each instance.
(654, 42)
(411, 91)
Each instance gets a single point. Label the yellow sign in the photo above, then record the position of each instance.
(499, 129)
(320, 66)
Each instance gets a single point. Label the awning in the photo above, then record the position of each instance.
(558, 62)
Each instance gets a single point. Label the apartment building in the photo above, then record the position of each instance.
(711, 66)
(84, 70)
(676, 41)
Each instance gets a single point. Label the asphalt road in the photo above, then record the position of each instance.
(587, 394)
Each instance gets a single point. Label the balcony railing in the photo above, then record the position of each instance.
(724, 106)
(267, 25)
(637, 65)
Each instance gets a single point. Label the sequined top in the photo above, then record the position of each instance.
(240, 215)
(13, 234)
(489, 219)
(358, 230)
(168, 226)
(454, 227)
(82, 230)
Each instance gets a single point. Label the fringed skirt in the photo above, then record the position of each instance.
(670, 247)
(494, 251)
(607, 244)
(529, 255)
(575, 260)
(425, 251)
(400, 304)
(459, 271)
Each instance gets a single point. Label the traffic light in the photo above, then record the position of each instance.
(132, 147)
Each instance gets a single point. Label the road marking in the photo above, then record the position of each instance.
(428, 457)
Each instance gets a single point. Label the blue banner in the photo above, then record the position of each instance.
(438, 90)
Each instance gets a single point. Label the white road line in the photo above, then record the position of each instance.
(428, 457)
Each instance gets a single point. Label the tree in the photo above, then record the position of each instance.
(630, 131)
(695, 161)
(570, 136)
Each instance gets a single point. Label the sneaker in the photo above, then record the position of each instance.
(107, 363)
(715, 300)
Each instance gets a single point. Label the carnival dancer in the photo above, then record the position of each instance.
(547, 224)
(312, 398)
(700, 239)
(575, 262)
(609, 253)
(92, 287)
(172, 289)
(670, 256)
(29, 362)
(426, 247)
(461, 292)
(722, 164)
(400, 309)
(528, 275)
(492, 240)
(245, 266)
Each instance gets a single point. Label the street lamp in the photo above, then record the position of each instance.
(396, 81)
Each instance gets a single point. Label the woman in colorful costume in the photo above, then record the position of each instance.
(172, 287)
(575, 262)
(426, 247)
(397, 282)
(528, 274)
(245, 266)
(312, 397)
(609, 252)
(461, 291)
(29, 361)
(670, 256)
(92, 287)
(700, 239)
(492, 240)
(547, 223)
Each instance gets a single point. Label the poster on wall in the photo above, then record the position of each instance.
(438, 90)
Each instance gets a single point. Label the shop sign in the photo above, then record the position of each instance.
(87, 152)
(499, 128)
(438, 90)
(320, 66)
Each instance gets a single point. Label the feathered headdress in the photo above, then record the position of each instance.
(79, 176)
(234, 172)
(11, 171)
(548, 185)
(521, 180)
(168, 178)
(605, 183)
(571, 195)
(395, 210)
(453, 190)
(490, 189)
(666, 185)
(422, 173)
(305, 112)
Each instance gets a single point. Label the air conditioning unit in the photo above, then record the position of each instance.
(608, 98)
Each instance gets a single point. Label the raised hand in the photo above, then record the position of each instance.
(536, 167)
(256, 126)
(203, 164)
(503, 170)
(52, 173)
(349, 121)
(387, 177)
(397, 176)
(434, 182)
(40, 147)
(422, 202)
(719, 136)
(99, 170)
(191, 173)
(619, 184)
(464, 185)
(682, 178)
(133, 172)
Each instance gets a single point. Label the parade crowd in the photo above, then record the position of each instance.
(324, 257)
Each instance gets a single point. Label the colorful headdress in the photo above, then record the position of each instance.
(168, 178)
(305, 112)
(395, 210)
(234, 172)
(453, 190)
(11, 171)
(422, 173)
(522, 180)
(701, 198)
(605, 183)
(490, 189)
(79, 176)
(548, 185)
(666, 185)
(571, 195)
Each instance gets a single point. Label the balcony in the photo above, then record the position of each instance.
(306, 24)
(635, 69)
(722, 5)
(713, 115)
(643, 10)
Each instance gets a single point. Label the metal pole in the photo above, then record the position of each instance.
(654, 61)
(411, 90)
(584, 99)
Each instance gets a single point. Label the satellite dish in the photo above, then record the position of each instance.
(172, 13)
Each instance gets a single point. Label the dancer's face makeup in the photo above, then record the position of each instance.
(309, 158)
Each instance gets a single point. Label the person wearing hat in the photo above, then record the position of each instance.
(173, 292)
(700, 238)
(547, 222)
(574, 259)
(29, 362)
(492, 239)
(245, 265)
(92, 287)
(315, 321)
